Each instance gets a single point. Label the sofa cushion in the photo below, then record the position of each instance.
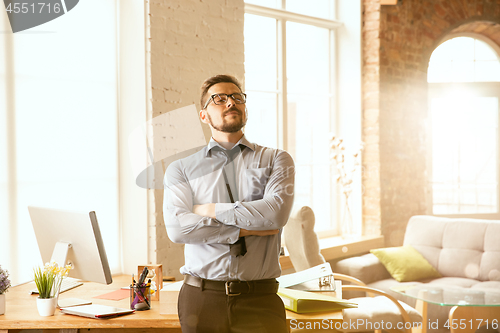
(462, 247)
(425, 234)
(404, 263)
(367, 268)
(454, 281)
(488, 286)
(492, 289)
(489, 269)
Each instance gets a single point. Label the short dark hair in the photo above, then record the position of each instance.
(214, 80)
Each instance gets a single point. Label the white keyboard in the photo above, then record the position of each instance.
(66, 284)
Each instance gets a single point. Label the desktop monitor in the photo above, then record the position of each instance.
(72, 238)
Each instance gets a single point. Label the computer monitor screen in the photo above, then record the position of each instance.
(71, 238)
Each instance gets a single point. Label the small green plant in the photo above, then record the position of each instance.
(48, 280)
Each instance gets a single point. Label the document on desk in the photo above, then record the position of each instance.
(96, 311)
(306, 302)
(172, 286)
(115, 295)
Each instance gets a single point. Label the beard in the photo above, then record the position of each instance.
(227, 127)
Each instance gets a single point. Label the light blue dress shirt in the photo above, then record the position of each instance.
(262, 184)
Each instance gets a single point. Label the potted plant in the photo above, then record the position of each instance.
(4, 286)
(48, 282)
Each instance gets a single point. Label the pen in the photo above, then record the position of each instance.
(143, 275)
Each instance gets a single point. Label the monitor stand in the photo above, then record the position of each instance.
(59, 255)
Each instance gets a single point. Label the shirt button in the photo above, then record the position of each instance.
(229, 239)
(248, 223)
(225, 220)
(204, 240)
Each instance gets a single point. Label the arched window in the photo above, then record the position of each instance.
(464, 93)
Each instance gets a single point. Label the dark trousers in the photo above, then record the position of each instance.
(213, 311)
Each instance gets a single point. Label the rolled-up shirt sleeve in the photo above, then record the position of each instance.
(270, 212)
(183, 226)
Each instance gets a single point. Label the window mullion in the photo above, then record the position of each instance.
(282, 86)
(335, 191)
(12, 150)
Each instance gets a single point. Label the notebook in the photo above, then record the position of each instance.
(96, 311)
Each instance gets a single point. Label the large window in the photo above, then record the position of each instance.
(58, 125)
(292, 60)
(464, 94)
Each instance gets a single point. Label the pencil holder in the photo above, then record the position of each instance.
(156, 275)
(140, 297)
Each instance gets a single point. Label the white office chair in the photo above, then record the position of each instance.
(303, 247)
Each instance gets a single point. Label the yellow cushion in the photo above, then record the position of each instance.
(404, 263)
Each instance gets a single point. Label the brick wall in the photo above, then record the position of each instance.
(190, 40)
(408, 34)
(371, 112)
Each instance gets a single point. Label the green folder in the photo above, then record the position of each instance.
(306, 302)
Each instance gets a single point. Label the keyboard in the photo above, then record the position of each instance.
(66, 284)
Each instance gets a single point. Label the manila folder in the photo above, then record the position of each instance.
(305, 302)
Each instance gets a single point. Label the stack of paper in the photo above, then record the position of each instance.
(305, 302)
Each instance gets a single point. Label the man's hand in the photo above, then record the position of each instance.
(245, 232)
(207, 210)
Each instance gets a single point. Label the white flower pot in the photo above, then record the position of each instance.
(46, 306)
(2, 304)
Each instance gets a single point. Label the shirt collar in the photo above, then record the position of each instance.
(243, 141)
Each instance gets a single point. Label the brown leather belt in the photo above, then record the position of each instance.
(234, 288)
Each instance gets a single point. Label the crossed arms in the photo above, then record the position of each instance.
(224, 223)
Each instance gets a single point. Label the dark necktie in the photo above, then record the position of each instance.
(240, 247)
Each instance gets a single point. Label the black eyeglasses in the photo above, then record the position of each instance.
(238, 98)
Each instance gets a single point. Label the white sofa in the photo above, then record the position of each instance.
(466, 252)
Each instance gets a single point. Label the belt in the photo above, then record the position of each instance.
(234, 288)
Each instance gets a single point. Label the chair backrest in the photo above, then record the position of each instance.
(301, 240)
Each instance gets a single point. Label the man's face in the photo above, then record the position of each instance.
(228, 117)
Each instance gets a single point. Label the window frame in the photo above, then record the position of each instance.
(136, 237)
(343, 113)
(481, 89)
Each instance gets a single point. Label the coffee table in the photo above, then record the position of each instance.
(471, 308)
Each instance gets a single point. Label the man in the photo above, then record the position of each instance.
(228, 203)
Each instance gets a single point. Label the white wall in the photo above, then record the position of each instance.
(133, 110)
